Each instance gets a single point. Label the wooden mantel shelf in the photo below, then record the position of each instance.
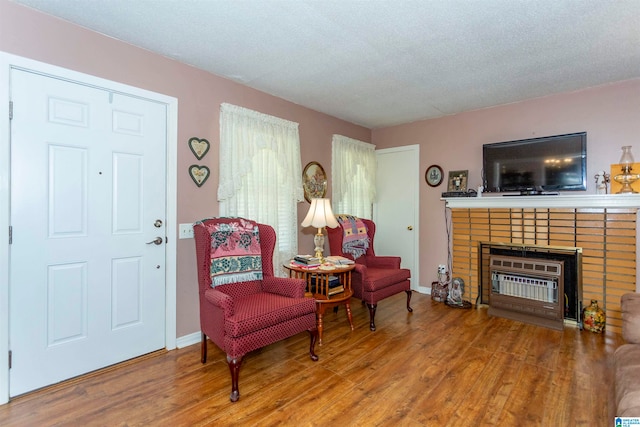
(547, 201)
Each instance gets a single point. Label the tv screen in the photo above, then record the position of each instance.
(537, 165)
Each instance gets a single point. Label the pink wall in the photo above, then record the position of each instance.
(609, 114)
(37, 36)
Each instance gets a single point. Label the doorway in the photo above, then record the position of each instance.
(396, 210)
(92, 181)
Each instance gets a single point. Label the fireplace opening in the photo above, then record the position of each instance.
(534, 286)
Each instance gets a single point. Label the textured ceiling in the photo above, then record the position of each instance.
(382, 62)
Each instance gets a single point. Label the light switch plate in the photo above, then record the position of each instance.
(185, 231)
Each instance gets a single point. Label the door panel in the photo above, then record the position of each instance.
(396, 210)
(127, 184)
(126, 291)
(87, 184)
(67, 206)
(66, 303)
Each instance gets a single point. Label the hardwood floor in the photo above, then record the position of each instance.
(438, 366)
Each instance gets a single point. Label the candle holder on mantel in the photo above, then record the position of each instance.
(626, 178)
(602, 182)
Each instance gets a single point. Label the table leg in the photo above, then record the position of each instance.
(349, 315)
(320, 312)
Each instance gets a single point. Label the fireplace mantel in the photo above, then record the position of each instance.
(547, 201)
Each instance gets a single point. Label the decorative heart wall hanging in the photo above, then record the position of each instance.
(199, 174)
(199, 147)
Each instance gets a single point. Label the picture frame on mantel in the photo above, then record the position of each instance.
(457, 180)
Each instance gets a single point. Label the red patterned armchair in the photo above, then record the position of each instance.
(258, 310)
(375, 277)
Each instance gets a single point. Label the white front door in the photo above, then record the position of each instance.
(88, 190)
(396, 209)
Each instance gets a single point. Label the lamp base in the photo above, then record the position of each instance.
(626, 180)
(318, 240)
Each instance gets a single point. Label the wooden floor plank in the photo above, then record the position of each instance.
(436, 366)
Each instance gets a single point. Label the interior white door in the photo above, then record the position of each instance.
(87, 290)
(396, 209)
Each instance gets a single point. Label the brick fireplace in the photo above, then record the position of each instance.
(602, 228)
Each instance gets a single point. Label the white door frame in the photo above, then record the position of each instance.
(7, 62)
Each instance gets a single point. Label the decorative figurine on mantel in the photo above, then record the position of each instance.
(602, 182)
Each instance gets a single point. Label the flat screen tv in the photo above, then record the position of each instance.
(536, 165)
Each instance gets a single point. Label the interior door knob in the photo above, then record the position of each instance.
(156, 241)
(409, 228)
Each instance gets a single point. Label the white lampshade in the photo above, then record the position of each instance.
(320, 214)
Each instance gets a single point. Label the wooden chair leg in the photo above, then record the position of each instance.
(203, 349)
(313, 336)
(409, 309)
(372, 315)
(234, 368)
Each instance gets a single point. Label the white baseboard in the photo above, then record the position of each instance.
(187, 340)
(424, 290)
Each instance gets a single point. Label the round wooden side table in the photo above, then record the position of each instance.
(318, 280)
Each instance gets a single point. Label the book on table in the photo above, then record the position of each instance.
(306, 259)
(334, 285)
(336, 290)
(305, 262)
(303, 266)
(339, 260)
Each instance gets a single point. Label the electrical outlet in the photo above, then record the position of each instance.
(185, 231)
(442, 268)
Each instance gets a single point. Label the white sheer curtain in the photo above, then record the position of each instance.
(260, 174)
(353, 176)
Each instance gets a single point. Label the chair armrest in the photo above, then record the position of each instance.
(220, 300)
(292, 288)
(630, 304)
(382, 261)
(362, 269)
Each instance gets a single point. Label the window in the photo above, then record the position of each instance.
(260, 174)
(353, 170)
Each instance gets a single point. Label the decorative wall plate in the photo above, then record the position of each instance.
(199, 174)
(433, 175)
(314, 181)
(199, 147)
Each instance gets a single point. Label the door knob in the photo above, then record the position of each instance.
(156, 241)
(409, 228)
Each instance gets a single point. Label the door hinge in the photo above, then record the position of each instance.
(10, 110)
(10, 354)
(10, 234)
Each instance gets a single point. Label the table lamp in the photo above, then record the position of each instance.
(320, 215)
(626, 178)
